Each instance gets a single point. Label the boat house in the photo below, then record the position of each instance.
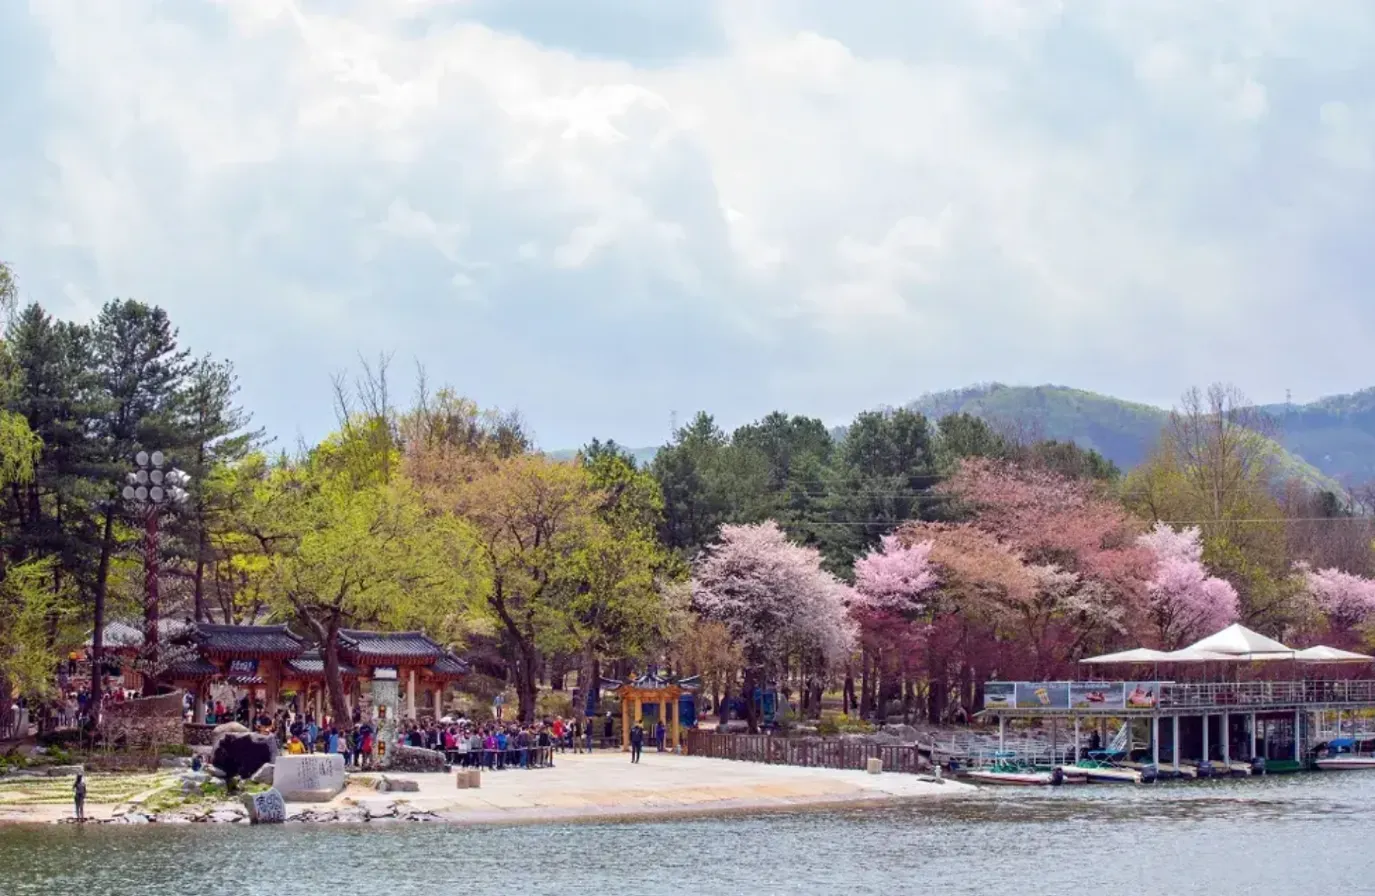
(1220, 704)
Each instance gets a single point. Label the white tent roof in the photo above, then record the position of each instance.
(1135, 655)
(1323, 654)
(1240, 642)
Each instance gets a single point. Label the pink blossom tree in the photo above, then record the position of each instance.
(776, 601)
(1185, 602)
(1348, 600)
(893, 586)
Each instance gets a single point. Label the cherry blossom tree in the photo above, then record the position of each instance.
(1347, 600)
(775, 599)
(895, 576)
(1185, 602)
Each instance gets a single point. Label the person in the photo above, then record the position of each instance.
(607, 731)
(637, 742)
(659, 733)
(295, 747)
(79, 795)
(577, 736)
(1095, 742)
(545, 743)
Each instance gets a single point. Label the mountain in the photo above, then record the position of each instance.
(1326, 442)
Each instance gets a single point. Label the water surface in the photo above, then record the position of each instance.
(1282, 835)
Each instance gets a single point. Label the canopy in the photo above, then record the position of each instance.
(1324, 654)
(1135, 655)
(1194, 655)
(1239, 642)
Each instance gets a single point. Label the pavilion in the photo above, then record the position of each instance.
(656, 690)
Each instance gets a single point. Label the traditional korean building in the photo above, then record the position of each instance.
(246, 656)
(416, 661)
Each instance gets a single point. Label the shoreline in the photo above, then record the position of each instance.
(579, 789)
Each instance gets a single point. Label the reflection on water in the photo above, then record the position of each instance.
(1281, 835)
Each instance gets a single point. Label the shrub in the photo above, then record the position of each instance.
(64, 737)
(554, 703)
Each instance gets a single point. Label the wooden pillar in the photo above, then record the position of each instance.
(319, 703)
(625, 723)
(676, 730)
(410, 694)
(201, 692)
(438, 701)
(272, 687)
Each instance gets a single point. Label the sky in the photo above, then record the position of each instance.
(605, 212)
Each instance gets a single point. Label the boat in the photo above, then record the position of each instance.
(1346, 754)
(1100, 772)
(1023, 778)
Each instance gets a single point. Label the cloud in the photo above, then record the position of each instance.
(608, 212)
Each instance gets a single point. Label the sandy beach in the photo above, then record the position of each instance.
(599, 786)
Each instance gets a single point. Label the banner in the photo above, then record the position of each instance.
(384, 673)
(1096, 695)
(1142, 694)
(1000, 695)
(1043, 695)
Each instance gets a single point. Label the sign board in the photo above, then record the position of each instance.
(1043, 695)
(1142, 694)
(1096, 694)
(246, 668)
(384, 673)
(1000, 695)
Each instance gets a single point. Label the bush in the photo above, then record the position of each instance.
(834, 723)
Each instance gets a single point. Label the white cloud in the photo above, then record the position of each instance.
(969, 177)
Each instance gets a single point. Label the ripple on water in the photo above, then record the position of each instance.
(1219, 838)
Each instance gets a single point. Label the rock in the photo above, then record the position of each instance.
(174, 818)
(264, 775)
(267, 807)
(313, 778)
(416, 759)
(376, 812)
(350, 815)
(64, 771)
(134, 818)
(241, 755)
(226, 728)
(388, 784)
(904, 733)
(192, 782)
(172, 763)
(222, 817)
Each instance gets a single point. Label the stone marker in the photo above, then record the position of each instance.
(875, 765)
(461, 779)
(311, 778)
(267, 807)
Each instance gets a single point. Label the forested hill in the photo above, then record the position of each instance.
(1334, 437)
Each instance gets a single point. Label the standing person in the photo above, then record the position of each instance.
(79, 796)
(607, 731)
(659, 733)
(577, 735)
(637, 742)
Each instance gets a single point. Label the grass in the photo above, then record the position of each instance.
(99, 789)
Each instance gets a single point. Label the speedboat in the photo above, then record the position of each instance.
(1346, 753)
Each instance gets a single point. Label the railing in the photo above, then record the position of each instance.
(809, 752)
(1266, 693)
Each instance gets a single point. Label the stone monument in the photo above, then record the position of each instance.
(386, 704)
(312, 778)
(267, 807)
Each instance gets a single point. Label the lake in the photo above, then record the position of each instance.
(1283, 835)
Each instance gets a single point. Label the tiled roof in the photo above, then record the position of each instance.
(192, 669)
(312, 665)
(247, 640)
(653, 682)
(448, 664)
(408, 648)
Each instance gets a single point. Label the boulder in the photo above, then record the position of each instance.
(224, 817)
(417, 759)
(267, 807)
(134, 818)
(388, 784)
(65, 771)
(904, 733)
(312, 778)
(264, 775)
(241, 755)
(192, 782)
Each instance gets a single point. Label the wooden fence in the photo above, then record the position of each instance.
(810, 751)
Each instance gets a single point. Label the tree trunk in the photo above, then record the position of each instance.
(102, 580)
(751, 711)
(334, 679)
(587, 687)
(848, 696)
(527, 689)
(199, 595)
(866, 684)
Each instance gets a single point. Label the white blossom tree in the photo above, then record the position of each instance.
(775, 599)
